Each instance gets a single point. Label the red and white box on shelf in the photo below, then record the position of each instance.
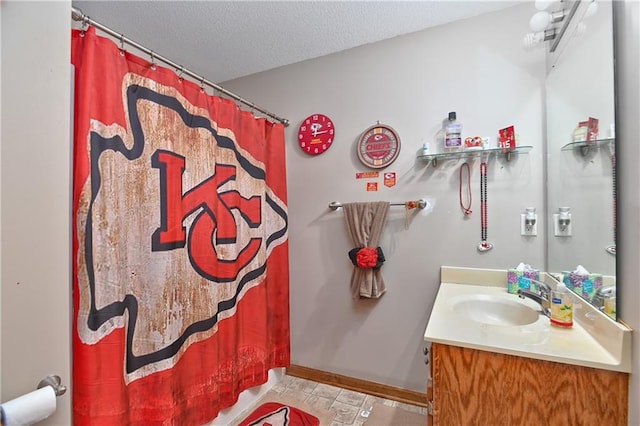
(592, 129)
(507, 138)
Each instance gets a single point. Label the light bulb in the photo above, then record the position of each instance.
(532, 40)
(539, 21)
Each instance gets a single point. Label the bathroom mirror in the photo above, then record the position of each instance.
(581, 194)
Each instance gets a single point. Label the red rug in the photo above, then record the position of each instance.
(276, 414)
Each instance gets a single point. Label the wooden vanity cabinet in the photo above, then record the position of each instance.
(474, 387)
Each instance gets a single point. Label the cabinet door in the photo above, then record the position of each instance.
(473, 387)
(428, 360)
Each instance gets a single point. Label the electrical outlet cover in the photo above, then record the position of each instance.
(528, 231)
(558, 231)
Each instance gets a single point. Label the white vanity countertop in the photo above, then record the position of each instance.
(538, 340)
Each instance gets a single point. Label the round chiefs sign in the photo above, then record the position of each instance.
(378, 146)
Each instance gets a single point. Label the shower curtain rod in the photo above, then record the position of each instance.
(77, 15)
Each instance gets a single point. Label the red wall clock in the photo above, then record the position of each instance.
(378, 146)
(316, 134)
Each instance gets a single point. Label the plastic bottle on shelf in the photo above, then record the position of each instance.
(425, 149)
(561, 306)
(610, 304)
(452, 133)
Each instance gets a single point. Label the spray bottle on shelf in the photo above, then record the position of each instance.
(561, 306)
(452, 133)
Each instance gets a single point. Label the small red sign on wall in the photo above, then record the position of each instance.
(372, 186)
(366, 175)
(390, 179)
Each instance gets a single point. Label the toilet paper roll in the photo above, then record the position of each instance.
(30, 408)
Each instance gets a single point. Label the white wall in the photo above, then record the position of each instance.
(627, 18)
(35, 199)
(475, 67)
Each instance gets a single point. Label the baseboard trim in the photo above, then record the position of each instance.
(359, 385)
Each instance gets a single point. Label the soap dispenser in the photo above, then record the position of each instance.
(561, 304)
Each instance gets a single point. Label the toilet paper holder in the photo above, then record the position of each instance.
(55, 382)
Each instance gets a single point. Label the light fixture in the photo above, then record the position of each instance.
(549, 25)
(539, 24)
(539, 21)
(532, 40)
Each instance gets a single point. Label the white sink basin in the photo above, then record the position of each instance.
(494, 310)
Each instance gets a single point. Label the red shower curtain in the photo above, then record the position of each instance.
(181, 280)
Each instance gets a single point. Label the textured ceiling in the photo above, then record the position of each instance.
(223, 40)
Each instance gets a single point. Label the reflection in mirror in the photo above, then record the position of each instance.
(581, 198)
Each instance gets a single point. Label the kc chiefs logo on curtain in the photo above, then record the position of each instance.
(170, 264)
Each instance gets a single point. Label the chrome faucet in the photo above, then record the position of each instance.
(601, 295)
(542, 296)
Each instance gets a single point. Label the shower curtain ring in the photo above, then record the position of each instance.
(122, 44)
(202, 84)
(85, 25)
(181, 71)
(153, 61)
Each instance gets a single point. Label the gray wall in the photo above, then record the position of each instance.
(476, 67)
(35, 199)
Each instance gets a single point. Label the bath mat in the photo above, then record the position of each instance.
(382, 415)
(277, 414)
(324, 416)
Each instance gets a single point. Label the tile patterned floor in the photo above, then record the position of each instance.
(351, 408)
